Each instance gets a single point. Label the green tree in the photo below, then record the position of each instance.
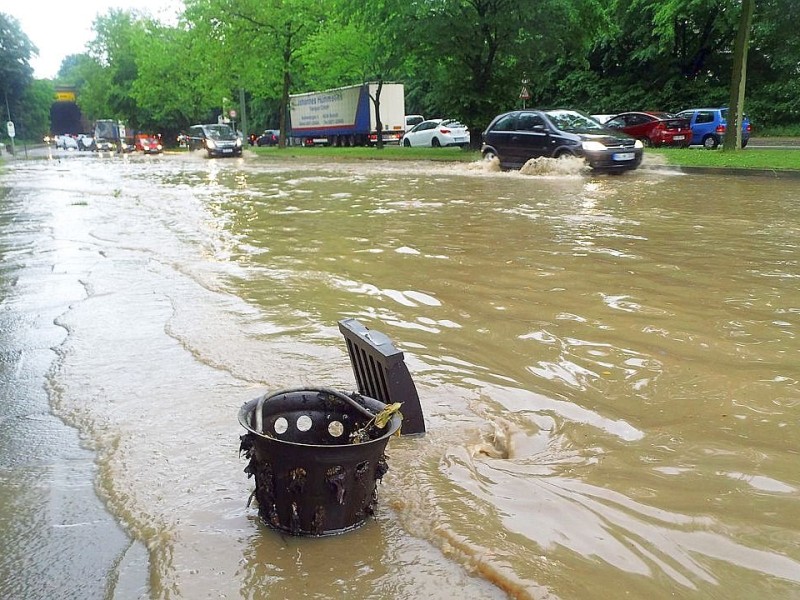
(33, 114)
(356, 45)
(256, 42)
(662, 54)
(773, 76)
(107, 92)
(467, 58)
(171, 89)
(16, 73)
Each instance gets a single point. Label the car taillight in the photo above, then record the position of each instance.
(748, 128)
(720, 129)
(444, 130)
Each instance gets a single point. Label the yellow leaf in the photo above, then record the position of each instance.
(383, 417)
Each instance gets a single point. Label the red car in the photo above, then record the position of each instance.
(653, 128)
(149, 144)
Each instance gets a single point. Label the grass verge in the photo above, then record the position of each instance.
(749, 158)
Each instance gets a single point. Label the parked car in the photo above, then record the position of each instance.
(653, 128)
(437, 133)
(216, 139)
(412, 121)
(708, 126)
(516, 137)
(270, 137)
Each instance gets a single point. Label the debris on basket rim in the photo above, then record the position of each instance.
(380, 420)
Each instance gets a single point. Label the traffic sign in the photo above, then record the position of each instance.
(524, 93)
(232, 114)
(11, 131)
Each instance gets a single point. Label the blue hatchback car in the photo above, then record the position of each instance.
(708, 126)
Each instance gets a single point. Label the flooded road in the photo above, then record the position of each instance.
(608, 368)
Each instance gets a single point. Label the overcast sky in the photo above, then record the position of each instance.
(59, 28)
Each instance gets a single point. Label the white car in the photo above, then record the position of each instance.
(68, 142)
(437, 133)
(85, 142)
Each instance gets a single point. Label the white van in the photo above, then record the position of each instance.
(412, 120)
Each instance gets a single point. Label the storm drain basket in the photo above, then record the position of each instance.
(316, 455)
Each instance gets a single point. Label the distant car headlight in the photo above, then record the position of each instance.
(593, 146)
(638, 144)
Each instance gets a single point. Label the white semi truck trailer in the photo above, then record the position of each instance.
(345, 116)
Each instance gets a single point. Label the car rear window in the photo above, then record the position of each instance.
(704, 116)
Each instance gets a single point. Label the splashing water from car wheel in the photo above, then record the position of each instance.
(565, 164)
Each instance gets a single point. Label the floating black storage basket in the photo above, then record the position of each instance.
(316, 455)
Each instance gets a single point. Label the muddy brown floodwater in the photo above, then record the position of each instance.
(608, 367)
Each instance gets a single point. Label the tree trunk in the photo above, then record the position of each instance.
(733, 134)
(377, 102)
(283, 114)
(283, 110)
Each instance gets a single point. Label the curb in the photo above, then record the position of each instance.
(770, 173)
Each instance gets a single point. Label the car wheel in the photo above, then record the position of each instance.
(435, 143)
(646, 142)
(710, 142)
(490, 155)
(407, 143)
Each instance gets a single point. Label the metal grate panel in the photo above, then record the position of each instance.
(381, 372)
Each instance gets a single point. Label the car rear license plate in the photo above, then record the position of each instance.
(679, 137)
(227, 150)
(623, 156)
